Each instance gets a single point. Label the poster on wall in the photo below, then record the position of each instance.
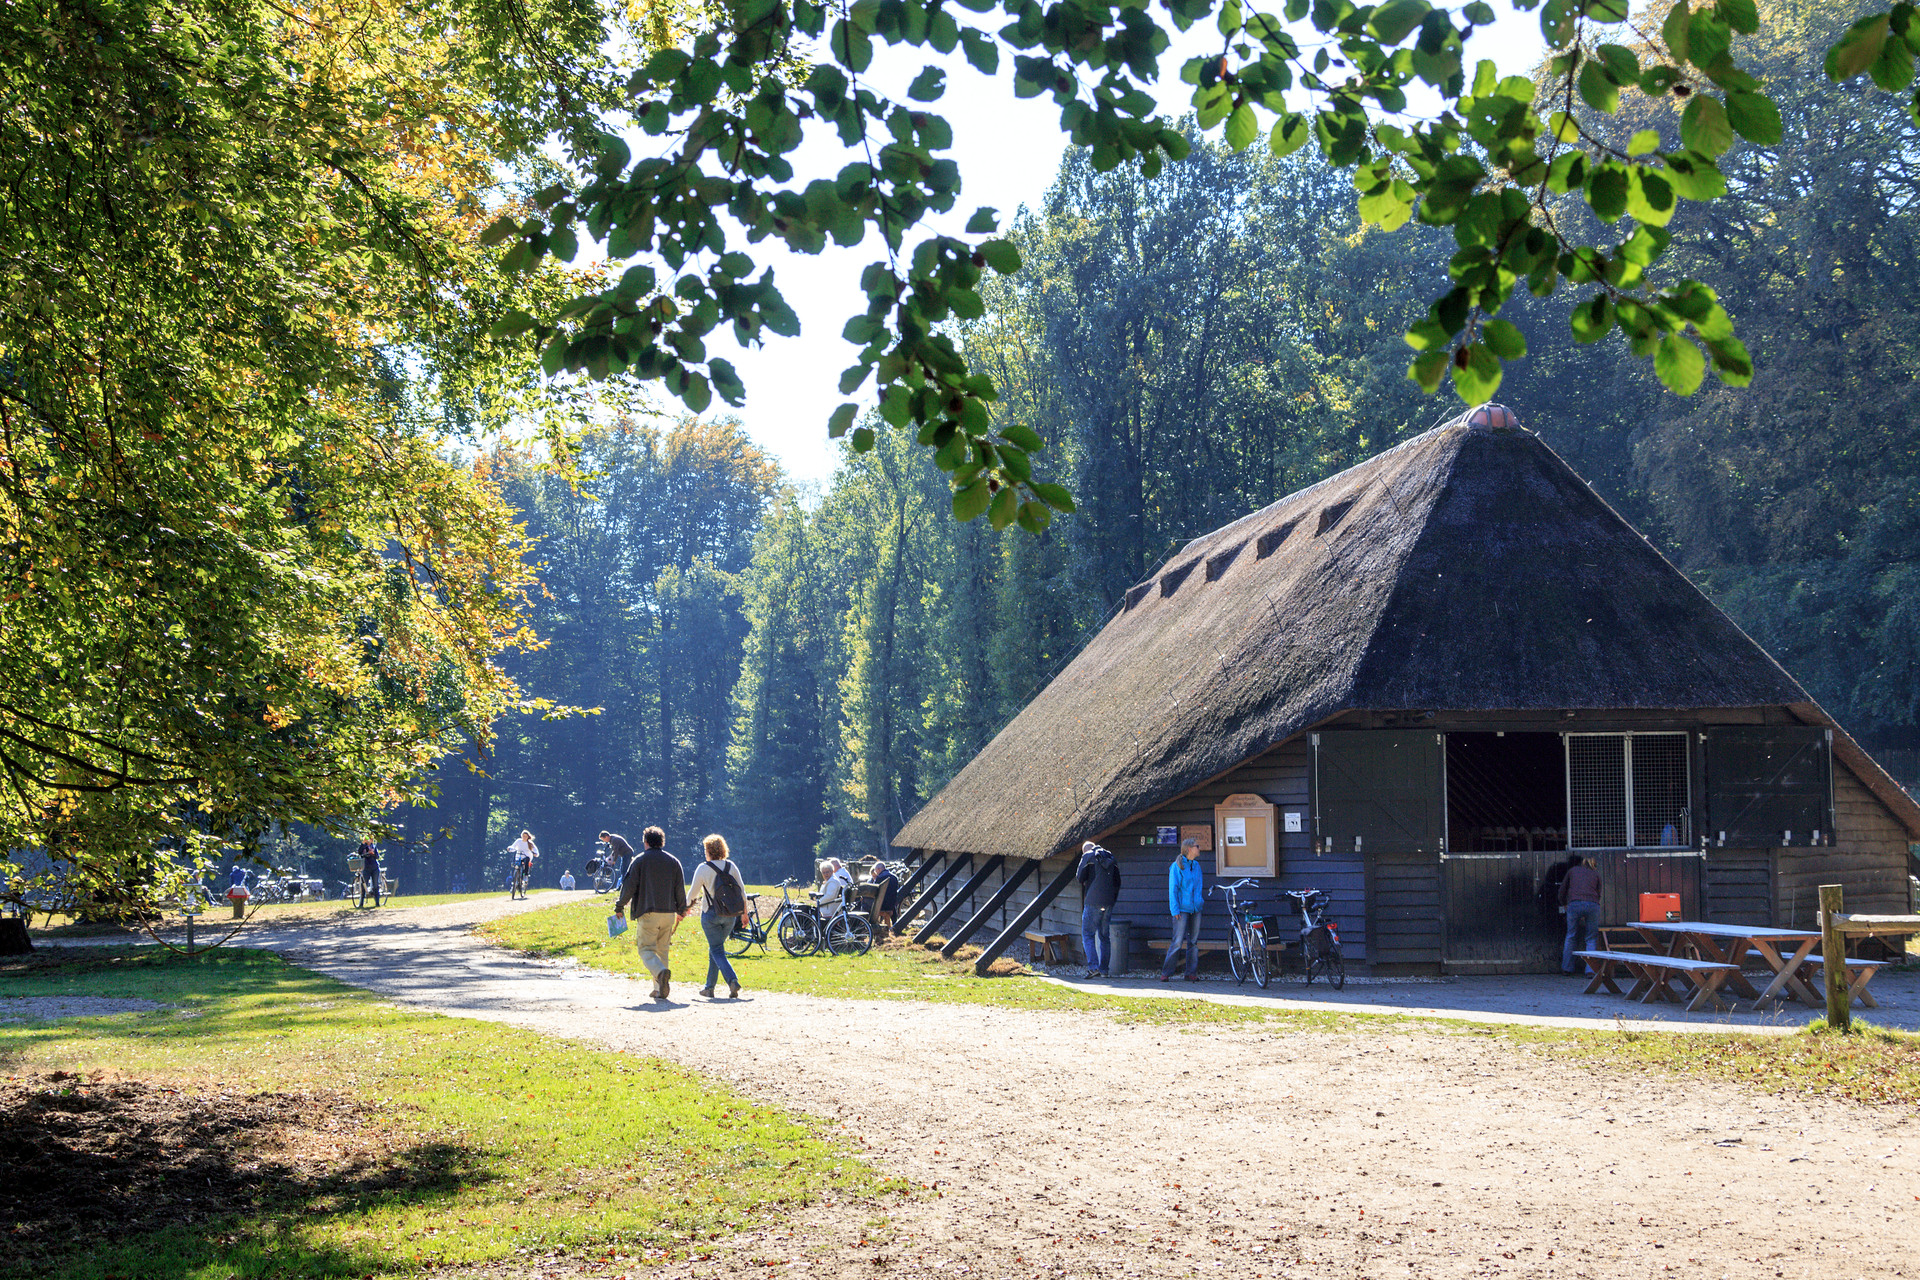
(1203, 832)
(1236, 833)
(1166, 835)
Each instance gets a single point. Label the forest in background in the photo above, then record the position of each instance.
(802, 670)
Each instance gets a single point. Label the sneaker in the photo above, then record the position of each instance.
(707, 992)
(666, 983)
(1166, 977)
(657, 993)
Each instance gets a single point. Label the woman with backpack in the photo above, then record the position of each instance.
(722, 895)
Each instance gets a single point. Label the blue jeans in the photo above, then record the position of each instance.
(1093, 938)
(1186, 933)
(1583, 924)
(717, 928)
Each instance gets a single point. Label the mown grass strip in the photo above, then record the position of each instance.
(215, 920)
(496, 1143)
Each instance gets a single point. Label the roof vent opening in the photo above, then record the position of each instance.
(1333, 515)
(1217, 565)
(1270, 541)
(1135, 594)
(1170, 580)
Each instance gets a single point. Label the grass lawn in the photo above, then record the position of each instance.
(464, 1141)
(214, 918)
(1873, 1066)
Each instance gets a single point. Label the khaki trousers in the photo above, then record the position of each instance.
(653, 934)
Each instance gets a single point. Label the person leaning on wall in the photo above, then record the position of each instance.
(1184, 900)
(1580, 894)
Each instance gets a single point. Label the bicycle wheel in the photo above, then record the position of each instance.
(1262, 966)
(849, 935)
(1336, 967)
(1236, 954)
(741, 940)
(795, 936)
(1309, 961)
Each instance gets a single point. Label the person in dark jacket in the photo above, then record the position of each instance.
(656, 887)
(370, 867)
(1580, 895)
(888, 900)
(618, 850)
(1099, 890)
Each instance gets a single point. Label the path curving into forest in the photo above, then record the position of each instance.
(1064, 1143)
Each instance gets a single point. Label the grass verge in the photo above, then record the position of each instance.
(1872, 1066)
(215, 920)
(477, 1143)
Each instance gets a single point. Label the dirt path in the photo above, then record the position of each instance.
(1064, 1145)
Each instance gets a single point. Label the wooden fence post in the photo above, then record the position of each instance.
(1833, 959)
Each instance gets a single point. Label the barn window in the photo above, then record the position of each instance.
(1170, 580)
(1333, 515)
(1628, 790)
(1270, 541)
(1217, 565)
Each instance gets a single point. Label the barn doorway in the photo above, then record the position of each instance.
(1506, 833)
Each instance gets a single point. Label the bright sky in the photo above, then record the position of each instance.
(1008, 150)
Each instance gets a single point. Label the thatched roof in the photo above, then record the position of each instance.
(1467, 569)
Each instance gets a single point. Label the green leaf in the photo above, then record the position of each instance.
(1035, 517)
(1607, 192)
(514, 322)
(862, 439)
(1592, 318)
(841, 420)
(1479, 377)
(1674, 30)
(971, 500)
(1704, 126)
(1242, 128)
(928, 85)
(1393, 20)
(1004, 509)
(1731, 364)
(1755, 116)
(1024, 436)
(1505, 339)
(554, 358)
(985, 221)
(1001, 256)
(1858, 49)
(501, 228)
(1290, 133)
(1054, 496)
(1643, 142)
(1390, 206)
(1597, 90)
(1679, 365)
(1742, 15)
(1650, 199)
(1429, 368)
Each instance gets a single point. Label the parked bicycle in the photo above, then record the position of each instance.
(1319, 939)
(1246, 936)
(802, 928)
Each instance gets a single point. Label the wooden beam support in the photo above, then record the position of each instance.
(960, 863)
(1027, 916)
(993, 904)
(1833, 954)
(927, 863)
(958, 898)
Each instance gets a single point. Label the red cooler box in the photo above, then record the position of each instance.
(1659, 908)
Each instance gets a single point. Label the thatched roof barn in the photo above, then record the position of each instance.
(1468, 572)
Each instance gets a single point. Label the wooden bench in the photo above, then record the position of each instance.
(1859, 974)
(1049, 948)
(1653, 976)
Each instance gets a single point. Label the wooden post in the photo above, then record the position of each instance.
(960, 863)
(1027, 916)
(1833, 957)
(927, 864)
(960, 898)
(999, 899)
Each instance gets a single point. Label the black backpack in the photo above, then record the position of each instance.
(724, 895)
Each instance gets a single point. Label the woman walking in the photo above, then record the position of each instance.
(722, 895)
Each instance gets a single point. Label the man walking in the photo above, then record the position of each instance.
(1099, 890)
(1184, 900)
(655, 887)
(1580, 894)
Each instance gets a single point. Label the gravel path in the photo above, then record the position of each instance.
(1063, 1144)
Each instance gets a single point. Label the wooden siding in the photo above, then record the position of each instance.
(1278, 776)
(1738, 885)
(1405, 914)
(1868, 859)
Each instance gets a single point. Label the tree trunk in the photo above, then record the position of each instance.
(13, 937)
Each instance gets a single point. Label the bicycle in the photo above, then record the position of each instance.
(604, 868)
(1319, 939)
(1246, 937)
(517, 873)
(801, 928)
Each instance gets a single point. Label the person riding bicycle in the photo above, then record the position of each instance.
(524, 851)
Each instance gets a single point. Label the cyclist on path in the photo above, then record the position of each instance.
(721, 892)
(524, 852)
(1184, 901)
(654, 884)
(1099, 874)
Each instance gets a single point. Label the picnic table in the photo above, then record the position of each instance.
(1785, 951)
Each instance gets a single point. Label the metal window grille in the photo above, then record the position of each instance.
(1658, 797)
(1597, 790)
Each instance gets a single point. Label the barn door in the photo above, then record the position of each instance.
(1769, 785)
(1379, 798)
